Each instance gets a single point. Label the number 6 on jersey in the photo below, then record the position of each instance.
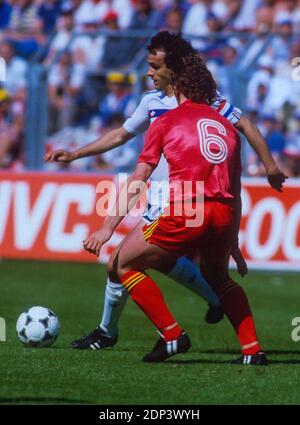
(209, 141)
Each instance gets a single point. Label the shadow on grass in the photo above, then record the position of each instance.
(199, 361)
(228, 362)
(237, 352)
(41, 400)
(284, 361)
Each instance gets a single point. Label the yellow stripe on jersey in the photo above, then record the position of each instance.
(151, 226)
(148, 232)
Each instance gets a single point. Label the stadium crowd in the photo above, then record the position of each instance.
(91, 87)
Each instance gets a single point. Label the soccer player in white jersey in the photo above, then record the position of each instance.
(153, 105)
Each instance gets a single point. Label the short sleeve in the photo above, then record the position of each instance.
(139, 120)
(152, 150)
(228, 111)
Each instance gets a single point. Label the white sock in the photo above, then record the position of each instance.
(188, 274)
(114, 303)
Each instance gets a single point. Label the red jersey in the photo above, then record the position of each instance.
(199, 145)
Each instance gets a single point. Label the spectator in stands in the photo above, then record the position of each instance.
(289, 9)
(173, 20)
(195, 21)
(263, 27)
(292, 148)
(146, 16)
(49, 12)
(284, 91)
(64, 27)
(119, 100)
(88, 49)
(114, 44)
(11, 125)
(124, 10)
(5, 13)
(16, 69)
(222, 71)
(90, 10)
(284, 37)
(25, 27)
(24, 18)
(87, 54)
(259, 84)
(65, 82)
(241, 15)
(272, 131)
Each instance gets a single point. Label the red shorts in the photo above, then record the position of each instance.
(172, 233)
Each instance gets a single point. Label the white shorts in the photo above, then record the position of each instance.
(157, 202)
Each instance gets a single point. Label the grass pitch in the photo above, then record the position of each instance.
(61, 375)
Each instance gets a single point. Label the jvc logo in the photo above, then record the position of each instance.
(296, 332)
(2, 330)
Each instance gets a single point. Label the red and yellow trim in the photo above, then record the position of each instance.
(133, 280)
(149, 230)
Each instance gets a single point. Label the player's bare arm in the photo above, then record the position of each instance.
(275, 176)
(108, 141)
(95, 241)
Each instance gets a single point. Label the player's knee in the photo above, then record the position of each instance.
(214, 276)
(122, 269)
(112, 262)
(226, 286)
(110, 265)
(115, 267)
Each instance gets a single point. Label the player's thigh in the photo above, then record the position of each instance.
(138, 254)
(214, 259)
(214, 270)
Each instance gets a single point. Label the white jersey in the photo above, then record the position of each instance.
(154, 104)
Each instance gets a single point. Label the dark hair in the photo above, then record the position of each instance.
(172, 44)
(193, 79)
(190, 74)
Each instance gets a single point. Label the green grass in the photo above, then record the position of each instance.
(61, 375)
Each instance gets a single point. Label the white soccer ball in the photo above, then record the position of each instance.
(38, 327)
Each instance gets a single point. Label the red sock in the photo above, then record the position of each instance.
(236, 307)
(146, 294)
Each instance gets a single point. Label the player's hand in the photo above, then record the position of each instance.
(276, 178)
(59, 156)
(240, 261)
(95, 241)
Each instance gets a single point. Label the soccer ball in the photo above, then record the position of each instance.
(38, 327)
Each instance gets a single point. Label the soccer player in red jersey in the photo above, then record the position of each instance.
(163, 47)
(200, 146)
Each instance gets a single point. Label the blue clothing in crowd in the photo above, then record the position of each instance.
(5, 12)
